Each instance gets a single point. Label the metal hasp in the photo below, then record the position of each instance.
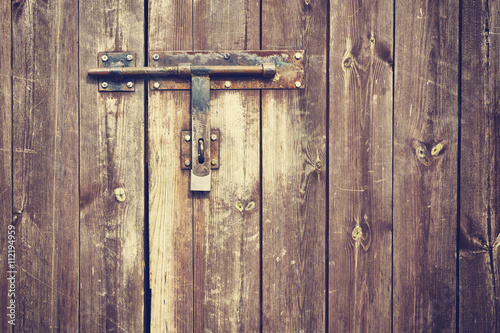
(201, 72)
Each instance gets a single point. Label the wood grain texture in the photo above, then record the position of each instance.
(294, 173)
(425, 166)
(5, 156)
(479, 309)
(112, 174)
(360, 256)
(45, 164)
(170, 203)
(227, 220)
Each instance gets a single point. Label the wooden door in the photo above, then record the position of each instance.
(366, 201)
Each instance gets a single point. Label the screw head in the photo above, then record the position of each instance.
(213, 137)
(187, 163)
(227, 84)
(156, 56)
(130, 84)
(156, 85)
(104, 58)
(130, 57)
(298, 56)
(104, 85)
(214, 162)
(187, 138)
(227, 56)
(298, 84)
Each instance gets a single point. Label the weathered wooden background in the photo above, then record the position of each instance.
(367, 202)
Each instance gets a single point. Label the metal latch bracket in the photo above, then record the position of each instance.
(115, 81)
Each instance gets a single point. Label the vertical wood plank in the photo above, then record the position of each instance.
(425, 165)
(227, 220)
(112, 174)
(360, 256)
(45, 164)
(6, 162)
(293, 173)
(479, 309)
(170, 203)
(494, 101)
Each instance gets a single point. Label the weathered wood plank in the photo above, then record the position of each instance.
(170, 203)
(293, 173)
(45, 164)
(494, 102)
(112, 174)
(425, 166)
(360, 256)
(479, 309)
(6, 163)
(227, 220)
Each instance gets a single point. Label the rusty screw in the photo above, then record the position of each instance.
(130, 84)
(214, 162)
(130, 57)
(298, 56)
(156, 85)
(187, 163)
(104, 58)
(213, 137)
(104, 85)
(156, 57)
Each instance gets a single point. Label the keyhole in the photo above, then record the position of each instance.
(201, 152)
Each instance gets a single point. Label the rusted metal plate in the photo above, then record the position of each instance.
(186, 149)
(289, 69)
(116, 59)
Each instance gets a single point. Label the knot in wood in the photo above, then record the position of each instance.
(357, 232)
(120, 194)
